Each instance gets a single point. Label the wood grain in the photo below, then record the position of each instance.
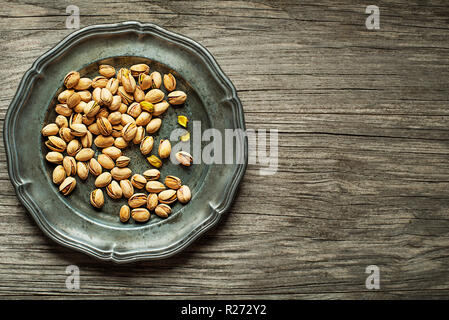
(363, 173)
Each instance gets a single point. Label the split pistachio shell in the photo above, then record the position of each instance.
(126, 118)
(113, 190)
(154, 96)
(164, 148)
(169, 82)
(177, 97)
(99, 82)
(55, 143)
(116, 103)
(140, 215)
(67, 186)
(137, 200)
(140, 134)
(78, 129)
(121, 173)
(86, 140)
(184, 158)
(95, 167)
(104, 126)
(66, 134)
(162, 210)
(154, 187)
(91, 109)
(71, 79)
(139, 94)
(127, 188)
(106, 161)
(152, 201)
(156, 80)
(113, 85)
(103, 180)
(82, 169)
(138, 181)
(134, 110)
(184, 194)
(54, 157)
(124, 213)
(69, 165)
(129, 131)
(173, 182)
(146, 145)
(122, 161)
(144, 81)
(73, 147)
(125, 96)
(64, 95)
(128, 82)
(97, 198)
(75, 118)
(61, 121)
(85, 154)
(50, 130)
(167, 196)
(152, 174)
(59, 175)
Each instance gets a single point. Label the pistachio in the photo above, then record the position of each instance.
(184, 194)
(91, 109)
(63, 109)
(73, 100)
(143, 119)
(124, 213)
(95, 167)
(54, 157)
(96, 95)
(156, 80)
(97, 198)
(177, 97)
(82, 169)
(69, 165)
(85, 154)
(173, 182)
(75, 118)
(61, 121)
(139, 68)
(83, 84)
(79, 108)
(127, 188)
(113, 190)
(182, 120)
(121, 173)
(134, 110)
(139, 95)
(146, 145)
(144, 81)
(99, 82)
(105, 97)
(103, 180)
(86, 140)
(154, 161)
(67, 186)
(93, 128)
(104, 142)
(88, 121)
(162, 210)
(85, 95)
(106, 161)
(164, 148)
(64, 95)
(154, 187)
(55, 143)
(137, 200)
(140, 134)
(146, 106)
(152, 174)
(152, 201)
(154, 125)
(123, 108)
(120, 143)
(184, 158)
(50, 130)
(73, 147)
(126, 118)
(185, 136)
(71, 79)
(117, 131)
(160, 108)
(106, 70)
(66, 134)
(122, 161)
(116, 103)
(138, 181)
(78, 129)
(113, 85)
(102, 113)
(154, 96)
(112, 152)
(104, 126)
(129, 131)
(167, 196)
(115, 118)
(126, 97)
(140, 215)
(128, 82)
(59, 175)
(169, 82)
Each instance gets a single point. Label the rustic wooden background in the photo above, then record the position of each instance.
(363, 174)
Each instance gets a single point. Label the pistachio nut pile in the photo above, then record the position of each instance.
(113, 111)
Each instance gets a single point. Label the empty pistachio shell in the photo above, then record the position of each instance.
(154, 96)
(164, 148)
(103, 180)
(127, 188)
(137, 200)
(106, 70)
(85, 154)
(173, 182)
(82, 169)
(54, 157)
(56, 144)
(163, 210)
(154, 161)
(160, 108)
(112, 152)
(152, 201)
(122, 161)
(167, 196)
(146, 145)
(138, 181)
(152, 174)
(182, 120)
(124, 213)
(50, 130)
(106, 161)
(184, 158)
(97, 198)
(69, 165)
(95, 167)
(83, 84)
(177, 97)
(104, 142)
(154, 186)
(59, 175)
(184, 194)
(154, 125)
(71, 79)
(113, 190)
(67, 186)
(140, 215)
(169, 82)
(121, 173)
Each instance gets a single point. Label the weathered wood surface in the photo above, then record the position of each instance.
(363, 174)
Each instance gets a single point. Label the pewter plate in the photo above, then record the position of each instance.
(72, 221)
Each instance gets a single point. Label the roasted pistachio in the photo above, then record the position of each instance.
(54, 157)
(82, 169)
(139, 68)
(71, 79)
(95, 167)
(113, 85)
(116, 103)
(67, 186)
(78, 129)
(177, 97)
(134, 110)
(144, 81)
(128, 81)
(104, 142)
(126, 118)
(167, 196)
(55, 143)
(120, 143)
(66, 134)
(154, 186)
(113, 190)
(138, 181)
(61, 121)
(112, 152)
(173, 182)
(83, 84)
(121, 173)
(99, 82)
(73, 147)
(152, 174)
(184, 158)
(154, 125)
(97, 198)
(64, 95)
(146, 145)
(164, 148)
(137, 200)
(106, 70)
(124, 213)
(85, 154)
(106, 161)
(50, 130)
(122, 161)
(154, 96)
(143, 119)
(63, 110)
(59, 175)
(75, 118)
(152, 201)
(129, 131)
(73, 100)
(93, 128)
(91, 109)
(86, 140)
(140, 134)
(115, 118)
(184, 194)
(139, 95)
(69, 165)
(103, 180)
(160, 108)
(104, 126)
(156, 80)
(169, 82)
(126, 97)
(162, 210)
(127, 188)
(85, 95)
(140, 215)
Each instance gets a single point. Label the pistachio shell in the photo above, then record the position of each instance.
(67, 186)
(139, 94)
(154, 186)
(120, 143)
(99, 82)
(85, 154)
(106, 70)
(169, 82)
(156, 80)
(154, 125)
(138, 181)
(78, 129)
(160, 108)
(146, 145)
(144, 81)
(139, 68)
(103, 180)
(140, 214)
(86, 140)
(127, 188)
(95, 167)
(104, 126)
(184, 194)
(137, 200)
(104, 142)
(143, 119)
(113, 85)
(73, 147)
(152, 201)
(82, 169)
(61, 121)
(97, 198)
(177, 97)
(152, 174)
(63, 110)
(122, 161)
(173, 182)
(164, 148)
(121, 173)
(184, 158)
(71, 79)
(140, 134)
(162, 210)
(56, 144)
(54, 157)
(125, 96)
(69, 165)
(83, 84)
(129, 131)
(154, 96)
(167, 196)
(113, 190)
(59, 175)
(124, 213)
(50, 130)
(106, 161)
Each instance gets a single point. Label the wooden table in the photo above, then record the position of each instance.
(363, 173)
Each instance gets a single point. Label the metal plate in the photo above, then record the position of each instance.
(72, 221)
